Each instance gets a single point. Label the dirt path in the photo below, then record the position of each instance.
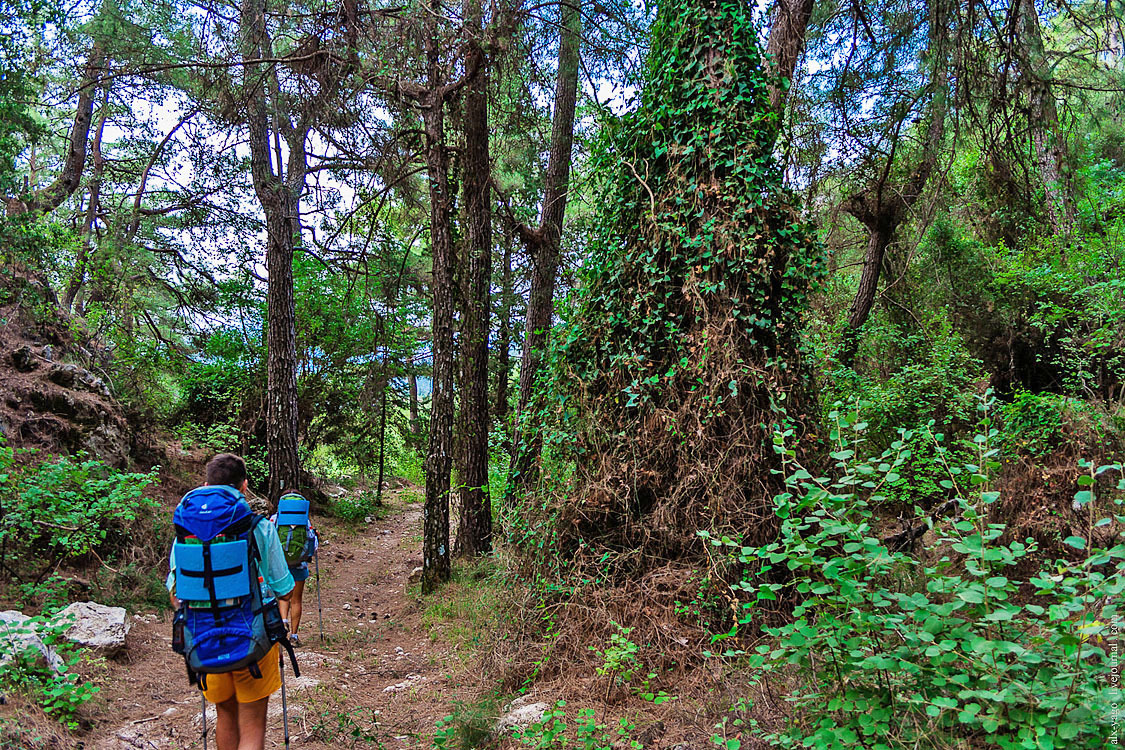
(379, 676)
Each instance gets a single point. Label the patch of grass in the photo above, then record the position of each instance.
(467, 607)
(133, 586)
(349, 636)
(469, 725)
(331, 719)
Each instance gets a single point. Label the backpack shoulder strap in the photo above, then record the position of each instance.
(256, 557)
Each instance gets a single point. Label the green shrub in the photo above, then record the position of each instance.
(936, 382)
(469, 726)
(553, 732)
(63, 508)
(23, 669)
(1031, 423)
(936, 649)
(353, 507)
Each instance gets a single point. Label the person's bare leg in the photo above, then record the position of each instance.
(252, 724)
(226, 724)
(283, 607)
(295, 606)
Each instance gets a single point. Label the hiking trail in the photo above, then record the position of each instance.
(378, 675)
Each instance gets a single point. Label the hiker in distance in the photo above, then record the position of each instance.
(227, 573)
(299, 543)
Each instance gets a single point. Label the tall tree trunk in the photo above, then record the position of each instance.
(543, 244)
(504, 341)
(279, 198)
(86, 242)
(474, 535)
(878, 240)
(883, 206)
(382, 445)
(786, 42)
(1042, 115)
(438, 462)
(412, 382)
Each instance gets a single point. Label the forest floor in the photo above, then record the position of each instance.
(382, 675)
(392, 664)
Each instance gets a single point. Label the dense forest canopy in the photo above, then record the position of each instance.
(758, 325)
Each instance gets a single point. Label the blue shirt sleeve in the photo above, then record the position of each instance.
(170, 581)
(274, 569)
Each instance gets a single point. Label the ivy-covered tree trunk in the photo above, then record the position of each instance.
(684, 355)
(504, 341)
(474, 535)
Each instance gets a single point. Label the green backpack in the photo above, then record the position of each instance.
(297, 540)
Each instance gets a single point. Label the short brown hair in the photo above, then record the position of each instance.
(226, 468)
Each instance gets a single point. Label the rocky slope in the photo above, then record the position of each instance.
(51, 395)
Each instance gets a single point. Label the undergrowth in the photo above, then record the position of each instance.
(25, 668)
(63, 510)
(892, 647)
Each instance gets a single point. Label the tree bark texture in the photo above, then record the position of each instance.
(279, 195)
(884, 206)
(438, 463)
(786, 42)
(543, 243)
(474, 535)
(504, 340)
(86, 241)
(412, 382)
(1042, 115)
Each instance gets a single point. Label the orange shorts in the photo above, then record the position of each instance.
(242, 685)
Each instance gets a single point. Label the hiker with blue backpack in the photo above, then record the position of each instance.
(227, 575)
(300, 543)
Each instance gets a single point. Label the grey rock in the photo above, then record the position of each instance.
(64, 375)
(23, 359)
(96, 626)
(521, 717)
(18, 636)
(49, 353)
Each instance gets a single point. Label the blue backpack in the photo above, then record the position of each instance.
(222, 624)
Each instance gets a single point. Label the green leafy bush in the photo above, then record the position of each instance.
(897, 650)
(63, 508)
(354, 507)
(469, 726)
(553, 732)
(23, 668)
(1031, 423)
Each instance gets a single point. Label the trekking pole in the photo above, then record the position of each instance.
(203, 705)
(319, 614)
(284, 704)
